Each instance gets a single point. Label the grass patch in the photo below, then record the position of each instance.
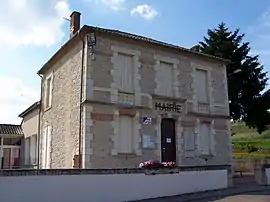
(251, 155)
(247, 142)
(243, 132)
(257, 143)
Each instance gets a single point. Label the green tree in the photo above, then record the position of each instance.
(249, 99)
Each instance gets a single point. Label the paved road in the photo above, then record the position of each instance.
(252, 194)
(249, 197)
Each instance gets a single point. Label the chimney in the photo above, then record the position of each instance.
(75, 21)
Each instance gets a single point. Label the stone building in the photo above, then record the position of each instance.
(112, 99)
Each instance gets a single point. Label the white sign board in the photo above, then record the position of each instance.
(147, 120)
(148, 142)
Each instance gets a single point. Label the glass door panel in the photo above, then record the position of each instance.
(6, 158)
(15, 158)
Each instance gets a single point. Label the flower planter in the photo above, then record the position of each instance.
(153, 167)
(161, 171)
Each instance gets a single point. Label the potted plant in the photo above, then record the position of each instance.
(155, 167)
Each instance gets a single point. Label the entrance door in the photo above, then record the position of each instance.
(168, 144)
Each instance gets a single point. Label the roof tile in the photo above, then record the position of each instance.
(10, 129)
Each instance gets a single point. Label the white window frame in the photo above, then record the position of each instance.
(11, 147)
(48, 93)
(129, 150)
(46, 147)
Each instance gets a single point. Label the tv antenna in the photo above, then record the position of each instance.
(66, 19)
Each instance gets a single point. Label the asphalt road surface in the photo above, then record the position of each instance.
(249, 197)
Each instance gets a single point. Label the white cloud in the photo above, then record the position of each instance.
(32, 22)
(115, 5)
(15, 98)
(145, 11)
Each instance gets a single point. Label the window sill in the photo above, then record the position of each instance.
(125, 155)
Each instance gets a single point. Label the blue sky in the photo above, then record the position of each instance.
(32, 30)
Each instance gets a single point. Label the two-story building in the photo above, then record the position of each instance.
(112, 99)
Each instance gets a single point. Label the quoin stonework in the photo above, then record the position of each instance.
(112, 99)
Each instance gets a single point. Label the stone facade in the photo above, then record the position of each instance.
(63, 115)
(103, 103)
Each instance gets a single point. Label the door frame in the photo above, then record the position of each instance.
(174, 137)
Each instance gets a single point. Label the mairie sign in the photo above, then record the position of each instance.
(168, 106)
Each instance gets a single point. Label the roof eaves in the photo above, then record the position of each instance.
(29, 109)
(153, 41)
(63, 47)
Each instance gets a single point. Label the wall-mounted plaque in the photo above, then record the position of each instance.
(148, 141)
(147, 120)
(168, 106)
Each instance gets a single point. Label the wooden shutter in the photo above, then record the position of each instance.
(205, 138)
(43, 148)
(201, 85)
(48, 149)
(165, 79)
(125, 134)
(33, 149)
(125, 71)
(189, 140)
(27, 150)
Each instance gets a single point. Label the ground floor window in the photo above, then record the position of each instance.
(10, 152)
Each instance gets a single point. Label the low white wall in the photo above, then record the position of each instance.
(107, 188)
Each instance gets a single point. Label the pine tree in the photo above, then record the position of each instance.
(249, 99)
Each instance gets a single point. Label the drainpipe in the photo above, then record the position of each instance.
(39, 120)
(80, 101)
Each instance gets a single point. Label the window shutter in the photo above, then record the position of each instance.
(205, 138)
(43, 148)
(165, 79)
(201, 85)
(124, 75)
(189, 140)
(33, 149)
(125, 134)
(48, 150)
(51, 90)
(27, 151)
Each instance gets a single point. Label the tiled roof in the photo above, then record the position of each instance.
(29, 109)
(10, 129)
(128, 35)
(153, 41)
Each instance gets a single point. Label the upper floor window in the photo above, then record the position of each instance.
(164, 78)
(201, 85)
(48, 91)
(125, 73)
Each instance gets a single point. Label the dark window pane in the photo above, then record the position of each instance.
(12, 141)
